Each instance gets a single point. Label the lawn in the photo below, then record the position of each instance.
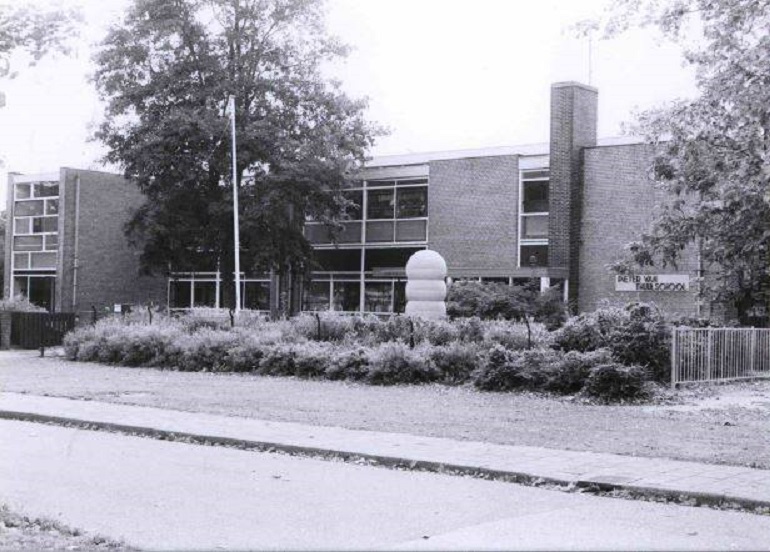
(728, 424)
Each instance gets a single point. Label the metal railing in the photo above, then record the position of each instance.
(719, 354)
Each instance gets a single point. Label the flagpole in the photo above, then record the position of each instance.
(235, 213)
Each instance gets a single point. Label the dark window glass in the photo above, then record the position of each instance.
(179, 295)
(28, 208)
(45, 224)
(346, 296)
(377, 297)
(205, 294)
(534, 255)
(495, 280)
(380, 204)
(399, 296)
(317, 296)
(535, 174)
(256, 295)
(339, 260)
(412, 202)
(535, 197)
(373, 183)
(412, 182)
(41, 292)
(46, 189)
(390, 258)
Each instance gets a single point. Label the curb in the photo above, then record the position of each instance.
(695, 498)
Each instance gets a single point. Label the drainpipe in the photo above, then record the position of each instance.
(76, 260)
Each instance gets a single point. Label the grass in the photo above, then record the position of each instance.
(732, 434)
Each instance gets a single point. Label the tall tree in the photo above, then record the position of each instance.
(166, 73)
(713, 152)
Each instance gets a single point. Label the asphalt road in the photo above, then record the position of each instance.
(163, 495)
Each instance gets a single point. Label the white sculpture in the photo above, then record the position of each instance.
(425, 287)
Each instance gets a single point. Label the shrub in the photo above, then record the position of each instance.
(350, 364)
(504, 370)
(569, 373)
(470, 329)
(278, 360)
(436, 332)
(204, 317)
(323, 326)
(205, 350)
(589, 331)
(516, 336)
(643, 339)
(19, 304)
(394, 362)
(456, 361)
(311, 359)
(614, 382)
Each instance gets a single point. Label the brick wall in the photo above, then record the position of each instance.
(619, 202)
(108, 268)
(573, 127)
(473, 214)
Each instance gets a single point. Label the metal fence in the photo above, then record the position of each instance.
(719, 354)
(33, 330)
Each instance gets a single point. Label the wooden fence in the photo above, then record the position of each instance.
(719, 354)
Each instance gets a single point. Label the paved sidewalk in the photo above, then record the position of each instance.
(710, 483)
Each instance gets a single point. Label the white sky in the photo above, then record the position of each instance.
(440, 74)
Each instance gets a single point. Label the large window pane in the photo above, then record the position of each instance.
(338, 260)
(399, 296)
(179, 295)
(391, 258)
(52, 207)
(535, 197)
(346, 296)
(534, 226)
(412, 202)
(28, 208)
(381, 231)
(256, 296)
(380, 204)
(205, 294)
(378, 296)
(28, 243)
(41, 292)
(317, 296)
(45, 224)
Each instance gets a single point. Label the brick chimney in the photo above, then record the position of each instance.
(573, 127)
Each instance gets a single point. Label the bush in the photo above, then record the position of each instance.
(589, 331)
(19, 304)
(395, 362)
(516, 336)
(204, 350)
(614, 382)
(278, 360)
(504, 370)
(311, 359)
(569, 373)
(352, 364)
(456, 361)
(643, 339)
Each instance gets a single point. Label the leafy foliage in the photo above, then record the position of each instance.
(712, 152)
(615, 382)
(35, 31)
(166, 73)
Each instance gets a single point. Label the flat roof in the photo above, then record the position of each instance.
(523, 150)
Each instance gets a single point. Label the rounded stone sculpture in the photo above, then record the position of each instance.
(425, 287)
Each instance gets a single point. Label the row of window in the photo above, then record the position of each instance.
(34, 261)
(380, 296)
(47, 242)
(30, 190)
(185, 294)
(533, 218)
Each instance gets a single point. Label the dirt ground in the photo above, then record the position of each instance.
(724, 424)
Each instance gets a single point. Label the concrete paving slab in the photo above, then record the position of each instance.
(742, 484)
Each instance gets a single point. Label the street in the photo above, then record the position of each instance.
(164, 495)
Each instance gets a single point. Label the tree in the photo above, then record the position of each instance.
(713, 152)
(166, 74)
(35, 32)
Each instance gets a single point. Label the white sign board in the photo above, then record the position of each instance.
(117, 308)
(652, 282)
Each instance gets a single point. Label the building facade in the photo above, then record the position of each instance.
(556, 213)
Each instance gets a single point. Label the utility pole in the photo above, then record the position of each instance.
(236, 226)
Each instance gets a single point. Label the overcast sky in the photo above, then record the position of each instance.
(440, 74)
